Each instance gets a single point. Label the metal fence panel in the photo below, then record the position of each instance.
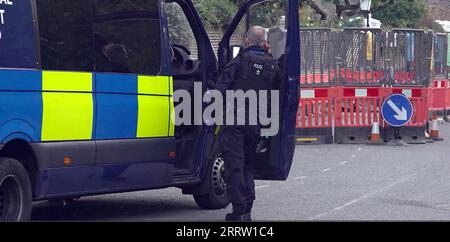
(317, 57)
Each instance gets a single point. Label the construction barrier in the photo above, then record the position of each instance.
(317, 57)
(347, 75)
(438, 96)
(314, 122)
(351, 113)
(439, 88)
(359, 57)
(356, 109)
(447, 104)
(409, 52)
(447, 61)
(440, 56)
(414, 131)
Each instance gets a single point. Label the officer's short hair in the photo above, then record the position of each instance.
(256, 35)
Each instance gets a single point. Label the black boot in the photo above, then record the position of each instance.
(239, 213)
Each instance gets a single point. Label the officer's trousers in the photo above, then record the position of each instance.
(238, 145)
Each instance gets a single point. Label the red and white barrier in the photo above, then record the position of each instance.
(314, 122)
(351, 112)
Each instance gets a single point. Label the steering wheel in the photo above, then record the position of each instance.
(182, 62)
(186, 50)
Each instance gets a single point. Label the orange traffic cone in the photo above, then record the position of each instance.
(434, 134)
(375, 138)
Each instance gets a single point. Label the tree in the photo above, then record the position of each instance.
(393, 13)
(180, 31)
(402, 13)
(344, 8)
(216, 14)
(267, 14)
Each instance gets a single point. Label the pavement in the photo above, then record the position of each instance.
(326, 183)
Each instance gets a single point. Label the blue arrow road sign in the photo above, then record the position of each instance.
(397, 110)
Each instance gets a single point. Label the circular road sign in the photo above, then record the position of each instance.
(397, 110)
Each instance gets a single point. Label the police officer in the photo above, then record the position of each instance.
(253, 69)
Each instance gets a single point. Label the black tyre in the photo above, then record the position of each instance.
(217, 197)
(15, 191)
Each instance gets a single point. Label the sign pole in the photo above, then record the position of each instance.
(397, 111)
(397, 141)
(397, 133)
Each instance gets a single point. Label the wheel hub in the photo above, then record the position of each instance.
(218, 180)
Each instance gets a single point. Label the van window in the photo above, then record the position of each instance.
(103, 7)
(17, 41)
(127, 36)
(65, 32)
(180, 31)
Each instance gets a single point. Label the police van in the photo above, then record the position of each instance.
(86, 96)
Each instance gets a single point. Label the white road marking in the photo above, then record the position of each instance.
(363, 197)
(326, 170)
(353, 156)
(343, 163)
(444, 206)
(359, 149)
(261, 186)
(301, 177)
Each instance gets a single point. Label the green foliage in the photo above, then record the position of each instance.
(267, 14)
(401, 13)
(340, 24)
(179, 29)
(216, 14)
(355, 22)
(306, 19)
(397, 13)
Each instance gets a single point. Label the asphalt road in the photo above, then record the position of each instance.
(327, 182)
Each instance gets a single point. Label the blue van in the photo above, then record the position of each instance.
(86, 96)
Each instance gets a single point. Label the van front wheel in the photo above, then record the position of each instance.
(15, 191)
(217, 197)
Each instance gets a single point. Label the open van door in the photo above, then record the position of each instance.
(281, 18)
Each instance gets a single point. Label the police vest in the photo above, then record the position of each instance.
(256, 72)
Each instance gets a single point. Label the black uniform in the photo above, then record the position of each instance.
(252, 69)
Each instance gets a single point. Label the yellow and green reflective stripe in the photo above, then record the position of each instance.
(172, 109)
(66, 81)
(68, 107)
(154, 106)
(153, 116)
(172, 117)
(154, 85)
(170, 86)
